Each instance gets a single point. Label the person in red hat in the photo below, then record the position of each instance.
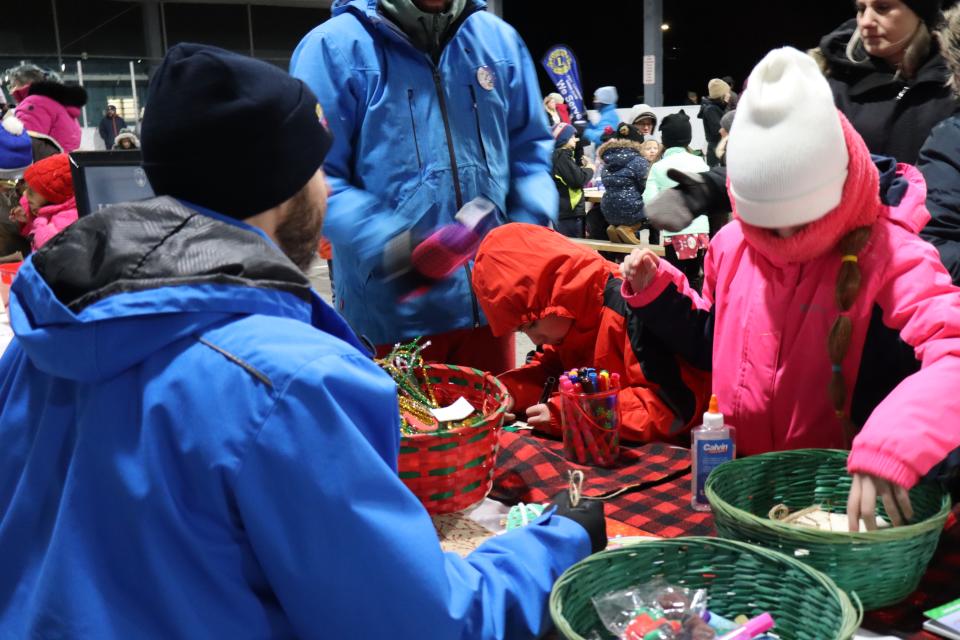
(48, 206)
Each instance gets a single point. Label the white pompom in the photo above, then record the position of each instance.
(12, 124)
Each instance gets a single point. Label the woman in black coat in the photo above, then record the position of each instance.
(940, 163)
(887, 74)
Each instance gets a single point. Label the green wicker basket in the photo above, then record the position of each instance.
(882, 567)
(740, 579)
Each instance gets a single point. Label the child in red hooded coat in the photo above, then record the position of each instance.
(49, 204)
(566, 298)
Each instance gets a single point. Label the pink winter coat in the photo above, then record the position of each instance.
(44, 115)
(48, 221)
(769, 343)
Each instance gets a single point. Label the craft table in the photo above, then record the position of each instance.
(656, 477)
(617, 247)
(593, 195)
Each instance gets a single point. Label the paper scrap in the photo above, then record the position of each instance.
(457, 411)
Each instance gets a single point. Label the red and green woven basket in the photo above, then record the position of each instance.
(453, 470)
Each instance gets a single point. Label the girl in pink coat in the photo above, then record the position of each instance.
(47, 107)
(826, 320)
(49, 204)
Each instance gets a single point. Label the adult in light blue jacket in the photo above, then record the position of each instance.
(605, 101)
(428, 111)
(193, 444)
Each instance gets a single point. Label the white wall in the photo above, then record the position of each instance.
(91, 140)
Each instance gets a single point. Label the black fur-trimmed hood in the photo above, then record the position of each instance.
(949, 39)
(69, 95)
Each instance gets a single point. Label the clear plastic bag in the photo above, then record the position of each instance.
(655, 611)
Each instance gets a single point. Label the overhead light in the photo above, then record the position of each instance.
(665, 27)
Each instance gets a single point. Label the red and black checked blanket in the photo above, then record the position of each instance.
(655, 480)
(940, 585)
(533, 469)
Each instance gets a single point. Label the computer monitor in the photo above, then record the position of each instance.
(103, 178)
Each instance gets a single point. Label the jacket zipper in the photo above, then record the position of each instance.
(902, 93)
(476, 115)
(413, 123)
(458, 193)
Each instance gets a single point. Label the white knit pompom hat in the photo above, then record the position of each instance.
(787, 160)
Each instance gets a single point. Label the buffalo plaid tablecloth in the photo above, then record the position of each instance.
(655, 479)
(657, 501)
(940, 585)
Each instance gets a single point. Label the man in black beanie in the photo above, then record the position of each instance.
(193, 444)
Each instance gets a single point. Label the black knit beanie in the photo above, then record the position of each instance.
(269, 132)
(927, 10)
(675, 130)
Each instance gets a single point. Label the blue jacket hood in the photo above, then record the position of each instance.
(121, 284)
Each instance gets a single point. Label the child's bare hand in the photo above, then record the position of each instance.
(862, 502)
(639, 268)
(538, 415)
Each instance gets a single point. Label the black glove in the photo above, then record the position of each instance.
(695, 193)
(588, 514)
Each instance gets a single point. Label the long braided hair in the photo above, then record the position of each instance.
(849, 279)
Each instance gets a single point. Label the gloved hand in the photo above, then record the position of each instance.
(415, 266)
(588, 514)
(444, 251)
(695, 194)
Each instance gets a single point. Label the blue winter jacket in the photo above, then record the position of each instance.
(192, 446)
(608, 117)
(393, 113)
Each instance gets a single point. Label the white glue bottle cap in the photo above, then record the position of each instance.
(713, 419)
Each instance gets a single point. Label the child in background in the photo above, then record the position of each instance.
(570, 179)
(48, 206)
(685, 248)
(651, 150)
(818, 278)
(624, 177)
(126, 140)
(566, 298)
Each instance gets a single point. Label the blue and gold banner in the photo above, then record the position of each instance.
(561, 66)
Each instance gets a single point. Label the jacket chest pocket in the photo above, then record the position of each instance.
(488, 118)
(413, 129)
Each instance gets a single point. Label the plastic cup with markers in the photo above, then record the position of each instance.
(590, 414)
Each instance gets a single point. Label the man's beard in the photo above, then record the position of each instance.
(299, 235)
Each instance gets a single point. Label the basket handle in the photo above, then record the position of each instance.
(858, 610)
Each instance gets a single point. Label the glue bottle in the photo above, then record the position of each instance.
(713, 444)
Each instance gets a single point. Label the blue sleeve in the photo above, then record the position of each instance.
(533, 197)
(354, 216)
(940, 165)
(593, 132)
(350, 552)
(640, 169)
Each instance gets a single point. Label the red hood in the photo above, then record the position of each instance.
(524, 272)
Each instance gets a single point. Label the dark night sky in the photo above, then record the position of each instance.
(707, 39)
